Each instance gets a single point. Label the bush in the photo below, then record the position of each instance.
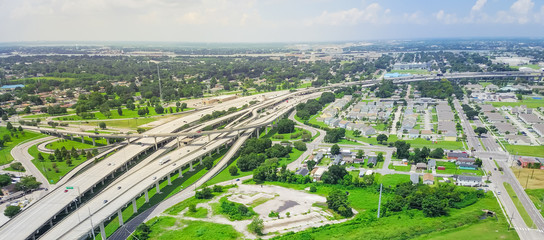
(11, 211)
(192, 207)
(205, 193)
(17, 166)
(233, 170)
(299, 145)
(313, 189)
(256, 226)
(217, 188)
(235, 211)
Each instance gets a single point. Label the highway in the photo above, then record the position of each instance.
(144, 176)
(56, 200)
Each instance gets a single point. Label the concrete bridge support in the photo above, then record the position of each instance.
(158, 187)
(169, 180)
(146, 196)
(180, 172)
(102, 231)
(94, 142)
(156, 147)
(134, 206)
(120, 215)
(82, 139)
(191, 166)
(108, 141)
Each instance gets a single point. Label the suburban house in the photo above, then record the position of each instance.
(529, 118)
(431, 164)
(421, 166)
(414, 177)
(317, 173)
(456, 155)
(539, 128)
(413, 133)
(517, 139)
(303, 171)
(465, 161)
(373, 160)
(428, 178)
(468, 181)
(505, 128)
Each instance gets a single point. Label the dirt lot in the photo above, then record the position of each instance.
(264, 199)
(536, 177)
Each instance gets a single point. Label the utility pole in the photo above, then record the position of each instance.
(380, 201)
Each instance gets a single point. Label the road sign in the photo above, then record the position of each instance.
(69, 187)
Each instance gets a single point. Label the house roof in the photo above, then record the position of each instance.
(469, 178)
(414, 178)
(428, 177)
(457, 154)
(431, 163)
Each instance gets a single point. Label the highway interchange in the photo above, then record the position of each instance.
(136, 180)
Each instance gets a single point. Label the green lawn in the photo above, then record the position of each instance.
(531, 103)
(325, 161)
(200, 213)
(526, 218)
(127, 123)
(451, 168)
(532, 66)
(115, 115)
(405, 225)
(391, 179)
(535, 151)
(286, 136)
(415, 143)
(5, 152)
(400, 168)
(46, 167)
(76, 143)
(174, 229)
(380, 127)
(537, 196)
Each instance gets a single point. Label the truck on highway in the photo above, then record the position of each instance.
(164, 160)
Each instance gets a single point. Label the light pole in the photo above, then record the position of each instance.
(91, 218)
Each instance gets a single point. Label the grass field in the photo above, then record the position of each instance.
(391, 180)
(534, 178)
(532, 66)
(415, 143)
(275, 136)
(76, 143)
(531, 103)
(400, 168)
(451, 168)
(115, 115)
(174, 229)
(5, 152)
(537, 196)
(126, 123)
(406, 225)
(535, 151)
(46, 167)
(526, 218)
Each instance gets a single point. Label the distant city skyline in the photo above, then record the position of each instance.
(266, 20)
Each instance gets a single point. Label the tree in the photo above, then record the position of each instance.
(335, 149)
(27, 183)
(310, 164)
(326, 97)
(360, 154)
(285, 126)
(4, 180)
(299, 145)
(159, 109)
(233, 170)
(334, 135)
(40, 157)
(256, 226)
(120, 111)
(338, 201)
(140, 130)
(403, 149)
(20, 129)
(11, 211)
(471, 114)
(4, 117)
(480, 131)
(478, 162)
(356, 133)
(380, 157)
(142, 232)
(334, 175)
(102, 125)
(51, 157)
(207, 162)
(9, 126)
(437, 153)
(382, 138)
(434, 207)
(217, 188)
(519, 96)
(205, 193)
(183, 106)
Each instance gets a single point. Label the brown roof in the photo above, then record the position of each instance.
(428, 176)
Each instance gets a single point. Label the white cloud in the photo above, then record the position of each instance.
(372, 13)
(478, 5)
(522, 9)
(447, 18)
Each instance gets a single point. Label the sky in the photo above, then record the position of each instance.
(267, 20)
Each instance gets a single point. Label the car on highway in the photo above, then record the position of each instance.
(105, 201)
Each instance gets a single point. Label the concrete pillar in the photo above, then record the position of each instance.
(128, 141)
(191, 165)
(156, 143)
(82, 139)
(218, 150)
(94, 143)
(200, 160)
(120, 215)
(108, 141)
(102, 181)
(72, 137)
(92, 189)
(169, 180)
(266, 129)
(180, 172)
(210, 153)
(102, 231)
(134, 206)
(258, 133)
(51, 222)
(179, 144)
(208, 137)
(158, 187)
(66, 210)
(146, 196)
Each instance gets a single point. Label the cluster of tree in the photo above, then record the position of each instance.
(433, 201)
(334, 135)
(256, 151)
(235, 211)
(13, 132)
(337, 200)
(285, 126)
(469, 111)
(441, 90)
(27, 183)
(305, 110)
(5, 180)
(480, 131)
(385, 89)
